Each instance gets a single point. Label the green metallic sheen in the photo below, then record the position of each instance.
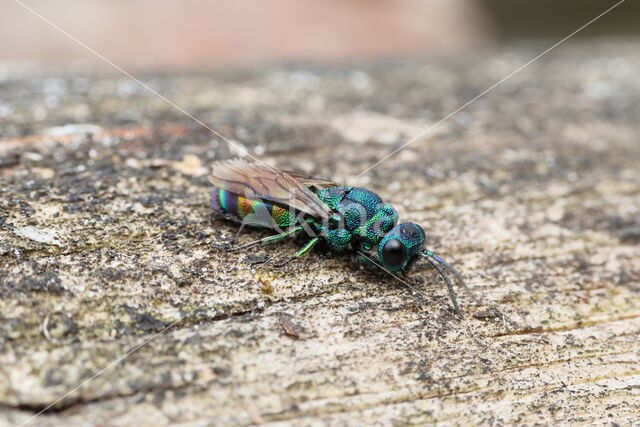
(362, 221)
(412, 238)
(222, 196)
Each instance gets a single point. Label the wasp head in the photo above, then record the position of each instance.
(400, 247)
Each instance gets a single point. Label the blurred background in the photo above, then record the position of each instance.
(163, 34)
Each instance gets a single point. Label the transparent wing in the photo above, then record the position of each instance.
(255, 181)
(312, 181)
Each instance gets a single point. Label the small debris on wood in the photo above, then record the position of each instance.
(158, 163)
(290, 328)
(47, 237)
(267, 287)
(487, 314)
(9, 160)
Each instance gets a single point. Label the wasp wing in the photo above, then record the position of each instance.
(312, 181)
(255, 181)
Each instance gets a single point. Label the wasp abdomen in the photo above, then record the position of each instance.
(250, 211)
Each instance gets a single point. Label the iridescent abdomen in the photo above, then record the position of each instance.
(252, 212)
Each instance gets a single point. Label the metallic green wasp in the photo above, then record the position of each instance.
(344, 218)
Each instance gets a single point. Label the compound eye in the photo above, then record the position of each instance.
(393, 252)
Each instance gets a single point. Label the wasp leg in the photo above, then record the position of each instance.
(364, 259)
(269, 239)
(307, 247)
(300, 253)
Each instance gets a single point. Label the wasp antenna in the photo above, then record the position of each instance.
(455, 272)
(435, 264)
(390, 273)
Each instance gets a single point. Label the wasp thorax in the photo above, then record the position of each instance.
(401, 245)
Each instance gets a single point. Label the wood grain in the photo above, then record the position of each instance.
(533, 192)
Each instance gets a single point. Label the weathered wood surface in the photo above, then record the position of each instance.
(106, 238)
